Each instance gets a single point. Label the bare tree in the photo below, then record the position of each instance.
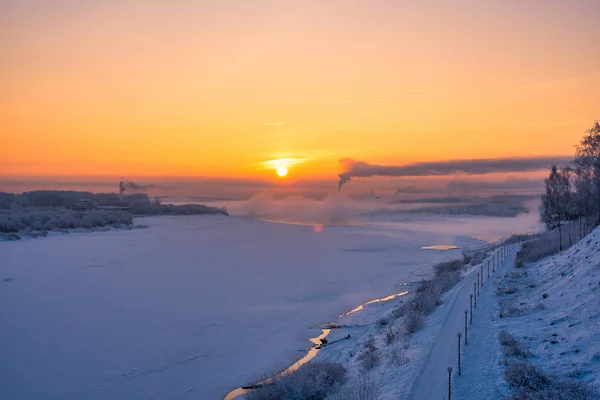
(587, 160)
(555, 202)
(573, 192)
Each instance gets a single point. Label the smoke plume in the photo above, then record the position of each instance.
(361, 169)
(129, 186)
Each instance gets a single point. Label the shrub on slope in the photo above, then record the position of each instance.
(428, 295)
(312, 381)
(531, 383)
(547, 244)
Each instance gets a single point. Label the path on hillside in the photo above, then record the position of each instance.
(478, 358)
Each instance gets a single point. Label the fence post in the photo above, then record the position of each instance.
(471, 317)
(488, 265)
(494, 263)
(459, 335)
(478, 292)
(449, 383)
(481, 270)
(475, 294)
(466, 341)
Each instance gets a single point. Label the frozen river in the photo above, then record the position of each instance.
(181, 309)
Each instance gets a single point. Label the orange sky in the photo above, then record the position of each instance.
(216, 88)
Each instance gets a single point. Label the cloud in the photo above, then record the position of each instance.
(132, 187)
(284, 162)
(360, 169)
(278, 123)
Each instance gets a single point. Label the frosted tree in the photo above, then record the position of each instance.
(556, 201)
(587, 162)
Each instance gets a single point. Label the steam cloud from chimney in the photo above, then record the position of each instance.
(129, 186)
(361, 169)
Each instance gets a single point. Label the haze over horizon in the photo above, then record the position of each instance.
(243, 90)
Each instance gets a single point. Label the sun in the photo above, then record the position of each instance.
(281, 166)
(282, 171)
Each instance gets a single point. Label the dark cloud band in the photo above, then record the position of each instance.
(361, 169)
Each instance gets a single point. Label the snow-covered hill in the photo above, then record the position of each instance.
(552, 307)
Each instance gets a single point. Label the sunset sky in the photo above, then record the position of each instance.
(223, 88)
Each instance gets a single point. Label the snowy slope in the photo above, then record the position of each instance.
(555, 310)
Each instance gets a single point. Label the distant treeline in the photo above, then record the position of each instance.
(60, 210)
(26, 220)
(573, 191)
(138, 204)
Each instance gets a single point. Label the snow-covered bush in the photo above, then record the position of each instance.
(428, 295)
(369, 357)
(548, 243)
(413, 321)
(314, 380)
(454, 265)
(362, 387)
(510, 346)
(536, 250)
(391, 335)
(509, 307)
(396, 356)
(524, 376)
(473, 257)
(531, 383)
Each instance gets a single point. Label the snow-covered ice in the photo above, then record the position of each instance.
(193, 307)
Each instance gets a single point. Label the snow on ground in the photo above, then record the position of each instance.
(416, 369)
(552, 308)
(196, 306)
(480, 372)
(432, 380)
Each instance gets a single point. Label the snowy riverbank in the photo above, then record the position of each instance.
(535, 323)
(381, 359)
